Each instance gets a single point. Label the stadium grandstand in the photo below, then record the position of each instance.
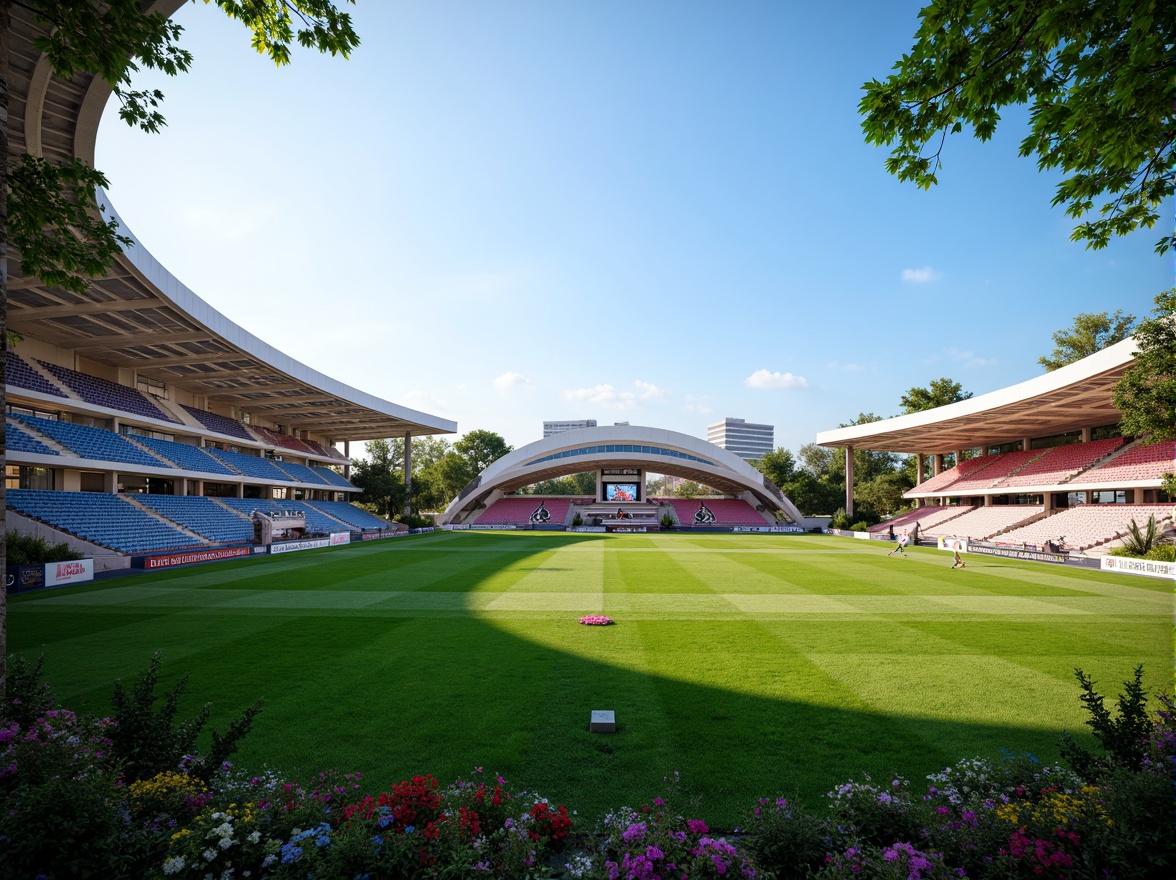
(1038, 465)
(621, 457)
(139, 419)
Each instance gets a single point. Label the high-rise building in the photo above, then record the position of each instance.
(550, 428)
(748, 441)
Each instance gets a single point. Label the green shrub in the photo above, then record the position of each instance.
(667, 521)
(1139, 542)
(577, 520)
(148, 740)
(1125, 739)
(26, 696)
(413, 521)
(786, 840)
(859, 527)
(1162, 553)
(30, 550)
(840, 519)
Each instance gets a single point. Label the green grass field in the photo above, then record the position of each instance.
(754, 665)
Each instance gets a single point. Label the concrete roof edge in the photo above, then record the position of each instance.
(1100, 362)
(186, 300)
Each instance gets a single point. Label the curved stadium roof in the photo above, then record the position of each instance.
(141, 317)
(655, 449)
(1067, 399)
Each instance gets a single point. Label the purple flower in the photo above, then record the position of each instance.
(696, 826)
(636, 831)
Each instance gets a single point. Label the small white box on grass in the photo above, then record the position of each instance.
(603, 721)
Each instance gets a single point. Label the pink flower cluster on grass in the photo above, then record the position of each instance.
(595, 620)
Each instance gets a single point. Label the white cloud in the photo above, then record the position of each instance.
(697, 405)
(768, 379)
(969, 358)
(511, 380)
(921, 276)
(649, 391)
(613, 398)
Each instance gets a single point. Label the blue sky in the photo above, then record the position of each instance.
(655, 212)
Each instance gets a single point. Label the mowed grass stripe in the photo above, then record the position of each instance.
(752, 664)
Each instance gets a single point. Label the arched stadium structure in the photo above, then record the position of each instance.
(137, 389)
(1047, 462)
(622, 454)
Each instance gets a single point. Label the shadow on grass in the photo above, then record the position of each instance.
(373, 689)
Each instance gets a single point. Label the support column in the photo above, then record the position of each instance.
(347, 452)
(937, 464)
(1086, 435)
(919, 465)
(849, 480)
(1025, 444)
(407, 473)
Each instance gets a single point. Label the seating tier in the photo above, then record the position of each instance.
(185, 457)
(1087, 525)
(517, 510)
(964, 469)
(101, 518)
(317, 522)
(332, 477)
(220, 424)
(19, 374)
(983, 522)
(300, 472)
(727, 511)
(284, 440)
(350, 514)
(249, 465)
(1060, 463)
(1137, 463)
(19, 440)
(1000, 469)
(93, 443)
(111, 395)
(201, 515)
(905, 520)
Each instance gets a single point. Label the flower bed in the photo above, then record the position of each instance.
(595, 620)
(70, 810)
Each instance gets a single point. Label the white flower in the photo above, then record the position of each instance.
(254, 837)
(227, 874)
(173, 865)
(209, 854)
(226, 842)
(268, 860)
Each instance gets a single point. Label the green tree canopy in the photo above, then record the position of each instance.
(469, 456)
(1146, 395)
(816, 459)
(1095, 75)
(379, 476)
(779, 466)
(573, 484)
(1090, 332)
(939, 393)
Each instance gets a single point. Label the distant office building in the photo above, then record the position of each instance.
(550, 428)
(748, 441)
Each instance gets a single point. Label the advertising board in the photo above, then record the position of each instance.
(338, 538)
(295, 546)
(1146, 567)
(151, 563)
(75, 571)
